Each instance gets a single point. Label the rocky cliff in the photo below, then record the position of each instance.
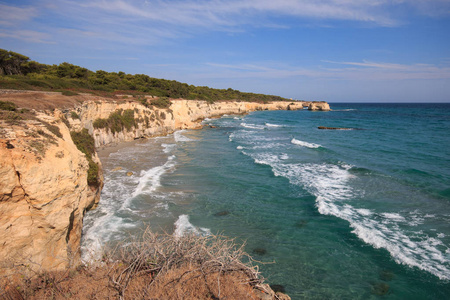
(45, 186)
(44, 194)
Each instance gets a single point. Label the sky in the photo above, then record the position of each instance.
(330, 50)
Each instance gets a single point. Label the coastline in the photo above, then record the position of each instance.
(41, 139)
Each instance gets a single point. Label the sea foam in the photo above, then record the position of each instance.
(304, 144)
(179, 137)
(150, 180)
(331, 186)
(183, 226)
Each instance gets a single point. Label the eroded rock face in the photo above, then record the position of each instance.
(43, 197)
(322, 106)
(152, 121)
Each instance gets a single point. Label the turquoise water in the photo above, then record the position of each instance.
(346, 214)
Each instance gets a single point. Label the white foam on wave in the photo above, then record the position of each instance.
(252, 126)
(102, 224)
(167, 148)
(273, 125)
(239, 147)
(331, 186)
(150, 180)
(284, 156)
(179, 137)
(304, 144)
(183, 226)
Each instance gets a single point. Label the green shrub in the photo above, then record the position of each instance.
(86, 144)
(74, 115)
(53, 129)
(117, 121)
(6, 105)
(161, 102)
(69, 93)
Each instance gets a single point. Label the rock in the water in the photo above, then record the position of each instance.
(380, 288)
(222, 213)
(278, 288)
(334, 128)
(260, 251)
(117, 169)
(129, 173)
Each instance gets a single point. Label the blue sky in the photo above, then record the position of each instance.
(337, 51)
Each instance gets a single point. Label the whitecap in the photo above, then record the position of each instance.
(273, 125)
(179, 137)
(304, 144)
(150, 180)
(252, 126)
(183, 226)
(284, 156)
(168, 147)
(331, 186)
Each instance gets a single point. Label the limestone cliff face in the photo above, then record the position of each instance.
(152, 121)
(43, 196)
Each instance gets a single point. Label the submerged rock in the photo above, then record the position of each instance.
(380, 288)
(222, 213)
(386, 275)
(260, 251)
(301, 223)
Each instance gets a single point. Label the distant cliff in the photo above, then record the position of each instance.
(50, 174)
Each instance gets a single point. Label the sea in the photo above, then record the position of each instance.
(361, 213)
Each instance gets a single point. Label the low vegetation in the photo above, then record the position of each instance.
(117, 121)
(158, 266)
(85, 143)
(17, 71)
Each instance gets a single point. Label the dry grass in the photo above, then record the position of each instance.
(158, 266)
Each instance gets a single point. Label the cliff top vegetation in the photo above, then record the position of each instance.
(156, 266)
(18, 72)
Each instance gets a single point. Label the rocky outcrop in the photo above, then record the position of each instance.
(43, 196)
(322, 106)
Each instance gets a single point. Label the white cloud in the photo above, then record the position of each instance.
(12, 15)
(244, 12)
(27, 36)
(359, 71)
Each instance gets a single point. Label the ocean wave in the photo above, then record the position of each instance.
(331, 186)
(273, 125)
(179, 137)
(168, 147)
(304, 144)
(183, 226)
(252, 126)
(150, 180)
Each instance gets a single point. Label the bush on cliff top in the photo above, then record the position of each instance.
(162, 102)
(117, 121)
(86, 144)
(8, 106)
(158, 266)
